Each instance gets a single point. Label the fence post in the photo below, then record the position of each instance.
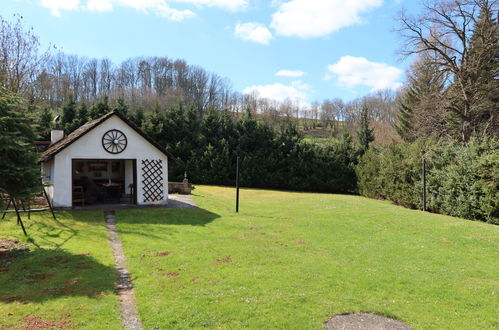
(424, 184)
(237, 185)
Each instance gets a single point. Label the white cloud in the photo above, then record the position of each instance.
(297, 91)
(252, 31)
(358, 71)
(290, 73)
(316, 18)
(158, 7)
(99, 5)
(56, 6)
(232, 5)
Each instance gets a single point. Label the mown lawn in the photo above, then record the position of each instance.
(291, 260)
(65, 280)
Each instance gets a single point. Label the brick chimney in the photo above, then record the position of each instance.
(56, 134)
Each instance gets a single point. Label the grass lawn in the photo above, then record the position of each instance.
(65, 280)
(291, 260)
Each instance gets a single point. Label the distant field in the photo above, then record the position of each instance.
(291, 260)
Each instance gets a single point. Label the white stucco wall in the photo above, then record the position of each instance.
(89, 146)
(128, 174)
(47, 177)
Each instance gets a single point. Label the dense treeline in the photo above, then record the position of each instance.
(461, 180)
(206, 147)
(448, 114)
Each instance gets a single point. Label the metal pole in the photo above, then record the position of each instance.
(237, 185)
(8, 205)
(424, 184)
(48, 202)
(19, 220)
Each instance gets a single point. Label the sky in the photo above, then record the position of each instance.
(305, 50)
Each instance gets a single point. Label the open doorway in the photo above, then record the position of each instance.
(103, 181)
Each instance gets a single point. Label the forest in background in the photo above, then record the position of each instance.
(450, 95)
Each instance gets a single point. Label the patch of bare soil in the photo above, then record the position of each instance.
(9, 247)
(163, 254)
(32, 322)
(172, 274)
(364, 321)
(223, 261)
(55, 261)
(9, 250)
(155, 254)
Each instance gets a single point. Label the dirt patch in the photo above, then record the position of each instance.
(10, 249)
(156, 254)
(172, 274)
(36, 277)
(364, 321)
(223, 261)
(32, 322)
(163, 254)
(55, 261)
(276, 243)
(246, 237)
(7, 245)
(300, 243)
(11, 299)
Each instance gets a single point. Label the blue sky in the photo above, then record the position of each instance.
(302, 49)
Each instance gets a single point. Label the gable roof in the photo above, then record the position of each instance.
(74, 136)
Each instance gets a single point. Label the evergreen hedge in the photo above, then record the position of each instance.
(207, 148)
(462, 180)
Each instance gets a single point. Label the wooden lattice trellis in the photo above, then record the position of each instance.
(152, 180)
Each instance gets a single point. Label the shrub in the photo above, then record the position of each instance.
(462, 180)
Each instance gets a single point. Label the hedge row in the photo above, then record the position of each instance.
(461, 180)
(207, 148)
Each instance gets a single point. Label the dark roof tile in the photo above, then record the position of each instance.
(62, 144)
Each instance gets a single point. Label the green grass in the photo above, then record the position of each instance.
(67, 277)
(292, 260)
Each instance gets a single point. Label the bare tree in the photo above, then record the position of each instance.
(444, 29)
(20, 61)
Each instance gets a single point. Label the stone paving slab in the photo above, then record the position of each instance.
(364, 321)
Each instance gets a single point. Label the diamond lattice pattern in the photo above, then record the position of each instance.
(152, 180)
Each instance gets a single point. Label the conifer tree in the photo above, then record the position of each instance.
(68, 115)
(483, 60)
(138, 117)
(19, 171)
(418, 113)
(82, 116)
(45, 124)
(365, 134)
(121, 106)
(99, 108)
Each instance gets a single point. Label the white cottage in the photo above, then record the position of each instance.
(106, 160)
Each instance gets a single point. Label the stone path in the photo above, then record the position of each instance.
(364, 321)
(124, 288)
(178, 201)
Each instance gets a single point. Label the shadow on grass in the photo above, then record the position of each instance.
(189, 217)
(44, 274)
